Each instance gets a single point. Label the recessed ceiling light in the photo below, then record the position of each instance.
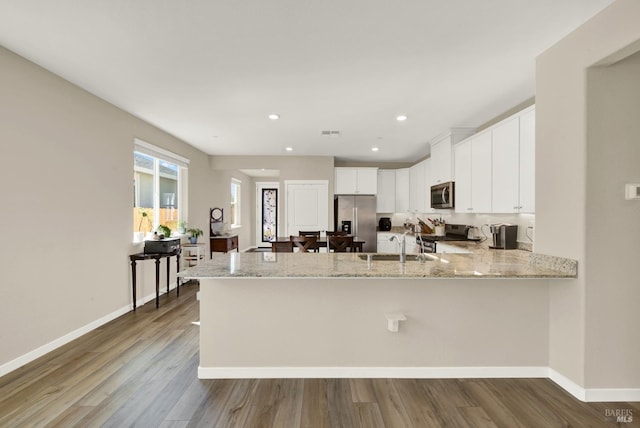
(274, 116)
(289, 149)
(401, 118)
(374, 149)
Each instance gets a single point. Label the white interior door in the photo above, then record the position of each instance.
(307, 206)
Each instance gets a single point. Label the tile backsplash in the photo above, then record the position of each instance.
(525, 222)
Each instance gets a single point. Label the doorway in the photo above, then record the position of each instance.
(267, 212)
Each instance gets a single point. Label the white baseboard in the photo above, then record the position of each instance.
(44, 349)
(370, 372)
(594, 394)
(53, 345)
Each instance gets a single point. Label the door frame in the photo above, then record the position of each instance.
(287, 183)
(266, 185)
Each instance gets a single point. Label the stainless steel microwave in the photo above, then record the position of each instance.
(443, 195)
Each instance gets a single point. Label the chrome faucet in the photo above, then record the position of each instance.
(403, 246)
(422, 256)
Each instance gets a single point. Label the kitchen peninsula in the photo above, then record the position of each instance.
(326, 315)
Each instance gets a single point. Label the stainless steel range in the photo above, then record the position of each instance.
(452, 232)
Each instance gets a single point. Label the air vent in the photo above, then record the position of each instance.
(330, 133)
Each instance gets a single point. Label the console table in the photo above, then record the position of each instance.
(155, 256)
(223, 243)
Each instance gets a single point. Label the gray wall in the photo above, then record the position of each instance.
(569, 141)
(66, 263)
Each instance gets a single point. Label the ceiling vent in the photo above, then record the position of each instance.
(330, 133)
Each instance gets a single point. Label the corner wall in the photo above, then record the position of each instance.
(562, 172)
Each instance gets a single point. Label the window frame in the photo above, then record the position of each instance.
(236, 218)
(159, 155)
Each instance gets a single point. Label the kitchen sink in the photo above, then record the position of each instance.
(392, 257)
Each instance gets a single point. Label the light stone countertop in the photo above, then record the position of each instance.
(481, 263)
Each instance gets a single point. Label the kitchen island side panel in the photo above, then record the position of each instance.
(262, 323)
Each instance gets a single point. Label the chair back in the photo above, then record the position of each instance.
(315, 233)
(304, 243)
(340, 244)
(337, 233)
(282, 247)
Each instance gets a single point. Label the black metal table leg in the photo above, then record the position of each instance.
(133, 279)
(157, 282)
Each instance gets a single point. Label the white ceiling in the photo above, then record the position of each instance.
(210, 71)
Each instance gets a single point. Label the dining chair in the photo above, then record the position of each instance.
(340, 244)
(282, 247)
(315, 233)
(336, 233)
(304, 243)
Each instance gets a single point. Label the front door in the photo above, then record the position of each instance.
(307, 205)
(267, 215)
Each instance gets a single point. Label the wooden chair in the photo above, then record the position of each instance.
(336, 233)
(282, 247)
(304, 243)
(315, 233)
(340, 244)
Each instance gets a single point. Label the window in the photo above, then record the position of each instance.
(159, 196)
(235, 202)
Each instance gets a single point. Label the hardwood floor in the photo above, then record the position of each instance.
(140, 370)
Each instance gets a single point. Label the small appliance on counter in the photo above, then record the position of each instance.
(346, 227)
(505, 236)
(384, 224)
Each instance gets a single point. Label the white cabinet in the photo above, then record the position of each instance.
(402, 190)
(384, 244)
(441, 161)
(473, 174)
(514, 164)
(506, 136)
(386, 198)
(356, 181)
(418, 188)
(528, 161)
(428, 178)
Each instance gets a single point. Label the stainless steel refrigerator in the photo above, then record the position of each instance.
(360, 211)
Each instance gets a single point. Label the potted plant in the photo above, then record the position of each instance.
(182, 227)
(194, 233)
(144, 225)
(164, 230)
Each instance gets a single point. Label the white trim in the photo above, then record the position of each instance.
(158, 152)
(51, 346)
(370, 372)
(594, 394)
(567, 384)
(613, 395)
(63, 340)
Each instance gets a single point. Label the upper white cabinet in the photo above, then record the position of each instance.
(402, 190)
(473, 174)
(418, 188)
(441, 154)
(386, 198)
(441, 161)
(528, 161)
(495, 169)
(356, 181)
(514, 164)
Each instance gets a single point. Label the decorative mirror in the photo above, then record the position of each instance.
(216, 215)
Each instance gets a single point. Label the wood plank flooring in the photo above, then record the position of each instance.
(140, 370)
